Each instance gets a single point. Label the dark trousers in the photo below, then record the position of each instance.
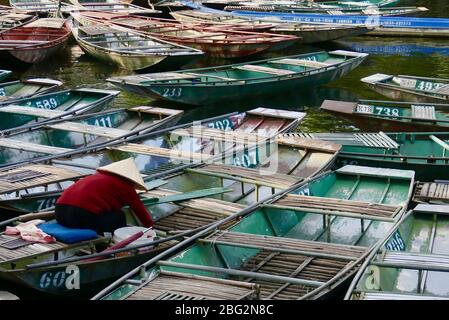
(78, 218)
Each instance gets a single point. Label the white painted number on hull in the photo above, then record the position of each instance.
(172, 92)
(70, 278)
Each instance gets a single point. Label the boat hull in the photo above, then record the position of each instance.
(382, 124)
(240, 91)
(404, 94)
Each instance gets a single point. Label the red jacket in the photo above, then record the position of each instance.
(105, 192)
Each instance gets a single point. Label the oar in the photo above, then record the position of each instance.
(123, 243)
(186, 196)
(29, 217)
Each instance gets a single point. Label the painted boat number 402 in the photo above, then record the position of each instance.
(363, 108)
(172, 92)
(68, 278)
(224, 124)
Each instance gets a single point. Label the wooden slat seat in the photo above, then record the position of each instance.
(220, 135)
(427, 191)
(423, 112)
(262, 69)
(258, 176)
(416, 260)
(165, 76)
(162, 152)
(339, 205)
(209, 76)
(397, 296)
(41, 175)
(37, 112)
(31, 147)
(302, 62)
(280, 243)
(182, 286)
(89, 129)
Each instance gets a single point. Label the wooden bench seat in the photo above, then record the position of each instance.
(268, 70)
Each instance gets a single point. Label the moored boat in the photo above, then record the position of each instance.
(35, 41)
(28, 113)
(109, 6)
(411, 263)
(307, 32)
(130, 50)
(328, 226)
(424, 153)
(244, 80)
(218, 42)
(234, 139)
(409, 88)
(61, 135)
(294, 7)
(14, 90)
(10, 20)
(392, 116)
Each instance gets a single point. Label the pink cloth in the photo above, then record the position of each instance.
(30, 232)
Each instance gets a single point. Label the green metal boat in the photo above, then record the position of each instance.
(11, 91)
(409, 88)
(32, 112)
(4, 74)
(424, 153)
(61, 136)
(244, 81)
(300, 245)
(179, 203)
(392, 116)
(165, 152)
(413, 261)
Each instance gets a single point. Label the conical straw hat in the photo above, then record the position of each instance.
(127, 169)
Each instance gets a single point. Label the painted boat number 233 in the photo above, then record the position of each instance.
(172, 92)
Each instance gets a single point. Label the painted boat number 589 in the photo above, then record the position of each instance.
(70, 278)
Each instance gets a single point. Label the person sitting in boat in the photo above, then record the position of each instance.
(95, 202)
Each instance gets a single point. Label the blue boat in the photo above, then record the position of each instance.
(391, 26)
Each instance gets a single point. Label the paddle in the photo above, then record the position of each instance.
(186, 196)
(123, 243)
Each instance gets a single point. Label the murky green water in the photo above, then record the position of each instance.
(388, 55)
(411, 56)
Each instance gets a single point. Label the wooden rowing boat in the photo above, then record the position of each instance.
(35, 41)
(111, 7)
(392, 116)
(28, 113)
(4, 74)
(424, 153)
(411, 263)
(14, 90)
(295, 7)
(328, 226)
(218, 42)
(307, 32)
(61, 135)
(35, 6)
(229, 139)
(129, 49)
(409, 88)
(10, 20)
(244, 81)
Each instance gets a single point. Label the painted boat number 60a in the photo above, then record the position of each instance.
(70, 278)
